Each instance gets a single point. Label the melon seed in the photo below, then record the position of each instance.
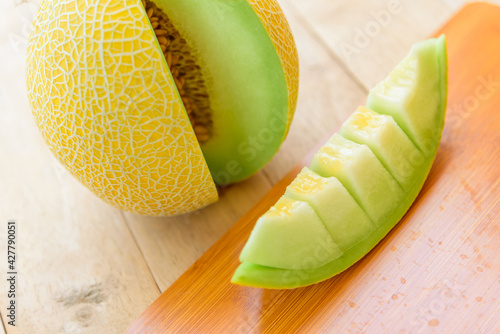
(185, 71)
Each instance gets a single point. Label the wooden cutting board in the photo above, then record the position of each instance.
(437, 271)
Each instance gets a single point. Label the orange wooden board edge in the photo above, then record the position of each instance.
(436, 271)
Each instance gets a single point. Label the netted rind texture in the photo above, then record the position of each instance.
(272, 17)
(107, 106)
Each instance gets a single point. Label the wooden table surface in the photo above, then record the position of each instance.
(85, 267)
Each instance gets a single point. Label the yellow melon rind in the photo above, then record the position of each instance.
(106, 104)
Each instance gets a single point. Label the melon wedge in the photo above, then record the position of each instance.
(414, 95)
(388, 142)
(381, 158)
(361, 173)
(304, 241)
(347, 223)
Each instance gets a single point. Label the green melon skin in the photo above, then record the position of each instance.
(347, 223)
(431, 59)
(245, 81)
(304, 241)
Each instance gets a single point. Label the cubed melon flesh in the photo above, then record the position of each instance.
(387, 141)
(347, 223)
(290, 236)
(361, 173)
(413, 94)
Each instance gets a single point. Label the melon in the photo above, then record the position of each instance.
(304, 241)
(339, 216)
(411, 86)
(392, 147)
(363, 180)
(361, 173)
(152, 104)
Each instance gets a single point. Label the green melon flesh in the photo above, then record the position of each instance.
(341, 157)
(387, 141)
(413, 95)
(303, 243)
(347, 223)
(361, 173)
(245, 82)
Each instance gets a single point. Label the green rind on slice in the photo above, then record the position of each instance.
(442, 59)
(245, 82)
(249, 274)
(387, 141)
(362, 175)
(412, 94)
(290, 236)
(347, 223)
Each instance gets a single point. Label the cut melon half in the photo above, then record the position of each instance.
(152, 103)
(381, 168)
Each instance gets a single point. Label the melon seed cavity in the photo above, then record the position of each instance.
(185, 71)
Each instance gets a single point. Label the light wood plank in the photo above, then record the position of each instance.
(171, 245)
(79, 268)
(371, 37)
(2, 325)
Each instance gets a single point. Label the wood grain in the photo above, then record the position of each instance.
(79, 268)
(438, 269)
(2, 327)
(370, 37)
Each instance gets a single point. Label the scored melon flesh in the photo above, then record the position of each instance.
(255, 275)
(290, 236)
(387, 141)
(245, 81)
(361, 173)
(413, 94)
(347, 223)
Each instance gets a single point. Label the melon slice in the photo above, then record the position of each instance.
(415, 94)
(359, 170)
(347, 223)
(361, 173)
(290, 236)
(387, 141)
